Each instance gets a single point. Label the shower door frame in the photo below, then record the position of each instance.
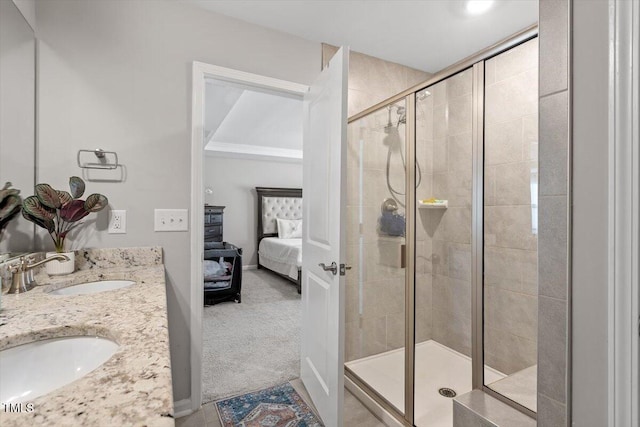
(476, 64)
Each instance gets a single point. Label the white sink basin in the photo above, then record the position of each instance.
(37, 368)
(93, 287)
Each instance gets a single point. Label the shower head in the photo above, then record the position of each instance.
(423, 95)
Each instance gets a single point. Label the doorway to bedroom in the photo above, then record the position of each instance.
(251, 198)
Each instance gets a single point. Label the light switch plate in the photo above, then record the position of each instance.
(118, 222)
(171, 220)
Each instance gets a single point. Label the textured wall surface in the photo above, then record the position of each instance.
(510, 209)
(554, 209)
(443, 236)
(375, 285)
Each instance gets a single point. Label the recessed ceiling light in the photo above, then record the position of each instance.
(476, 7)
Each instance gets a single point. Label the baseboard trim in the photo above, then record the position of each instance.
(373, 406)
(182, 408)
(250, 267)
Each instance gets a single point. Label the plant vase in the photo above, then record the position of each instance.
(59, 268)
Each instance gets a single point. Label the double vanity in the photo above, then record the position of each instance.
(89, 348)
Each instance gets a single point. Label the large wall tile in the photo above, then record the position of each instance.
(509, 227)
(478, 409)
(395, 330)
(460, 84)
(554, 46)
(554, 144)
(506, 352)
(515, 61)
(553, 247)
(514, 183)
(512, 312)
(511, 269)
(550, 412)
(458, 224)
(504, 142)
(460, 111)
(451, 330)
(552, 350)
(512, 98)
(460, 158)
(452, 295)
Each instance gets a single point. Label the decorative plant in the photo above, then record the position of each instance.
(10, 203)
(59, 212)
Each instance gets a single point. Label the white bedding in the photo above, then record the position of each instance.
(281, 255)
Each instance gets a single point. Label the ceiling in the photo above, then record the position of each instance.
(428, 35)
(251, 119)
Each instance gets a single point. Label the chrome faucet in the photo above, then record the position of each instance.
(22, 275)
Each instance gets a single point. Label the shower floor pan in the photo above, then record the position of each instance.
(437, 367)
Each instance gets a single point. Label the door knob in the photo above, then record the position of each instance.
(332, 268)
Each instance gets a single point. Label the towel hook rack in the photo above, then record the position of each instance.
(102, 157)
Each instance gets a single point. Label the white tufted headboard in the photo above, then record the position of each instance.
(273, 203)
(279, 207)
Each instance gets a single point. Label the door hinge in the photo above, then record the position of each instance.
(344, 268)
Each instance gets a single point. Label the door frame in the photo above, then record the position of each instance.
(200, 73)
(624, 211)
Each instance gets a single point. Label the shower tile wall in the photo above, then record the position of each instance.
(375, 285)
(372, 80)
(510, 212)
(375, 292)
(443, 237)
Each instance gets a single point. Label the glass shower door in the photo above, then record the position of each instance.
(375, 293)
(443, 273)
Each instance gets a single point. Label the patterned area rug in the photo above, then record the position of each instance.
(279, 406)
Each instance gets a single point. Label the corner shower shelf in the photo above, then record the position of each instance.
(441, 204)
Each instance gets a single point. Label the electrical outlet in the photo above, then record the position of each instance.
(118, 222)
(171, 220)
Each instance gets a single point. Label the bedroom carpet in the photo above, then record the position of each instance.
(255, 344)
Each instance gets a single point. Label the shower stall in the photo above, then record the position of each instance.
(442, 239)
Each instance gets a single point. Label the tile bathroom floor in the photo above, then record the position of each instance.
(355, 413)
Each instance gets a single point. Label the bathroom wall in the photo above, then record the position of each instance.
(510, 209)
(372, 80)
(117, 75)
(591, 363)
(233, 181)
(443, 236)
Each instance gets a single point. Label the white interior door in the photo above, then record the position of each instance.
(324, 160)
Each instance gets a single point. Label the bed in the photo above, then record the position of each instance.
(280, 256)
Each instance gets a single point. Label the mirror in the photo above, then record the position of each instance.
(17, 119)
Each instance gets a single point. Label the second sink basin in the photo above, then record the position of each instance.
(32, 370)
(93, 287)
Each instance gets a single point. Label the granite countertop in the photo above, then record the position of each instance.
(133, 388)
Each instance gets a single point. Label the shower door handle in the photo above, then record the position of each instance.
(332, 268)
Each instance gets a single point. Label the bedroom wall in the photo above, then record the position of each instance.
(117, 75)
(239, 196)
